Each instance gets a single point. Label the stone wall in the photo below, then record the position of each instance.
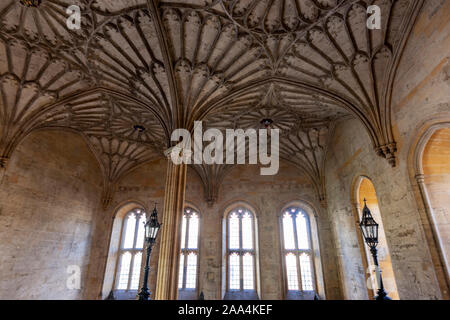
(266, 194)
(50, 214)
(421, 95)
(48, 198)
(349, 158)
(144, 186)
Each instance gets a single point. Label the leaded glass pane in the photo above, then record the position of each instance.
(193, 231)
(248, 271)
(247, 231)
(234, 231)
(234, 273)
(291, 272)
(288, 230)
(136, 271)
(183, 231)
(191, 271)
(181, 272)
(130, 225)
(124, 271)
(305, 265)
(302, 231)
(141, 232)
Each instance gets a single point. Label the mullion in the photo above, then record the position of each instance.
(241, 256)
(228, 253)
(297, 256)
(183, 284)
(186, 246)
(309, 252)
(253, 251)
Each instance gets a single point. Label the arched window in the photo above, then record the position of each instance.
(297, 253)
(128, 268)
(187, 276)
(241, 275)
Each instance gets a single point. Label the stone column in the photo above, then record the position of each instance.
(420, 178)
(167, 278)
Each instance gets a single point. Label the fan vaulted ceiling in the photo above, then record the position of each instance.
(138, 69)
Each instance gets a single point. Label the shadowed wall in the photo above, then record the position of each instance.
(48, 198)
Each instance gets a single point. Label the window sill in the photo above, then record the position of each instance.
(300, 295)
(241, 295)
(125, 294)
(187, 294)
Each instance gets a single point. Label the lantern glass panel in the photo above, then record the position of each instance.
(369, 228)
(153, 230)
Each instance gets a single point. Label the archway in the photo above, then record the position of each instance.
(310, 225)
(240, 252)
(428, 167)
(116, 241)
(366, 190)
(436, 177)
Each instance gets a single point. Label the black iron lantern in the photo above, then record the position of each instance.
(151, 231)
(369, 227)
(152, 227)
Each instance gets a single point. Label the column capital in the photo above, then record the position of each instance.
(185, 153)
(168, 151)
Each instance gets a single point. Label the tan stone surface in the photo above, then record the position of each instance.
(267, 195)
(342, 96)
(48, 202)
(410, 255)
